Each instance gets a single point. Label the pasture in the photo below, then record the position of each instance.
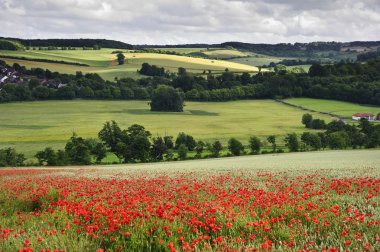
(289, 202)
(345, 109)
(32, 126)
(104, 62)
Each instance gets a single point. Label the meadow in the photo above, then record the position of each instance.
(297, 201)
(104, 62)
(32, 126)
(345, 109)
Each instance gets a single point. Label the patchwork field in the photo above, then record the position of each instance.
(300, 201)
(345, 109)
(31, 126)
(104, 62)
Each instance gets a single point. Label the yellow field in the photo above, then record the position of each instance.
(104, 62)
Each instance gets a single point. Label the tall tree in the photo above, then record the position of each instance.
(291, 141)
(272, 140)
(235, 147)
(110, 135)
(255, 144)
(120, 58)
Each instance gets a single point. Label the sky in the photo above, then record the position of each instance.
(193, 21)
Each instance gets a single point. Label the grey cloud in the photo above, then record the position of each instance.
(193, 21)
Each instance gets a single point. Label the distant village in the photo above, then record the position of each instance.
(10, 75)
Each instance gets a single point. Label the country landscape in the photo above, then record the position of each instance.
(241, 139)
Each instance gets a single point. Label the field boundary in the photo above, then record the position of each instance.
(311, 110)
(43, 60)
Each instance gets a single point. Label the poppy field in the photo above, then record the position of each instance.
(95, 210)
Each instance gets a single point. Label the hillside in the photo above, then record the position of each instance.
(104, 62)
(104, 43)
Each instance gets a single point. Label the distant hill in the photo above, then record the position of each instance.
(104, 43)
(6, 44)
(303, 49)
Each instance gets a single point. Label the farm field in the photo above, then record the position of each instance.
(345, 109)
(32, 126)
(299, 201)
(104, 62)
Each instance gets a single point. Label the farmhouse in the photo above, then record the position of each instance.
(358, 116)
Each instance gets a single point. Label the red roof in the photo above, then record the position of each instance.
(363, 115)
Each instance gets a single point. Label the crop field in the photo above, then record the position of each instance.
(256, 60)
(333, 206)
(345, 109)
(104, 62)
(32, 126)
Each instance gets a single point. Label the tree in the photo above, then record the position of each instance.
(120, 58)
(338, 140)
(190, 142)
(169, 142)
(138, 140)
(255, 145)
(216, 147)
(110, 135)
(47, 157)
(199, 148)
(99, 151)
(306, 120)
(323, 137)
(311, 140)
(235, 146)
(158, 149)
(318, 124)
(10, 157)
(272, 140)
(181, 71)
(165, 98)
(182, 152)
(291, 141)
(78, 151)
(185, 139)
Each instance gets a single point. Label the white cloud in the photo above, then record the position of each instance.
(193, 21)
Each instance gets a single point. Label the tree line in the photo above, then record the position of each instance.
(136, 144)
(353, 82)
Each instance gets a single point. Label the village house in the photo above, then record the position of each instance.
(368, 116)
(8, 75)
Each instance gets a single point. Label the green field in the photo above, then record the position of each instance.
(31, 126)
(104, 62)
(341, 108)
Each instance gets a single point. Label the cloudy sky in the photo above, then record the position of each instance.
(193, 21)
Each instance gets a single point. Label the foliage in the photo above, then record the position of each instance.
(291, 141)
(165, 98)
(158, 149)
(120, 58)
(235, 147)
(272, 140)
(10, 157)
(78, 152)
(216, 148)
(182, 152)
(255, 144)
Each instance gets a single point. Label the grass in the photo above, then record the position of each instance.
(32, 126)
(104, 62)
(345, 109)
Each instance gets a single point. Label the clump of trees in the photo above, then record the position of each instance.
(165, 98)
(151, 70)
